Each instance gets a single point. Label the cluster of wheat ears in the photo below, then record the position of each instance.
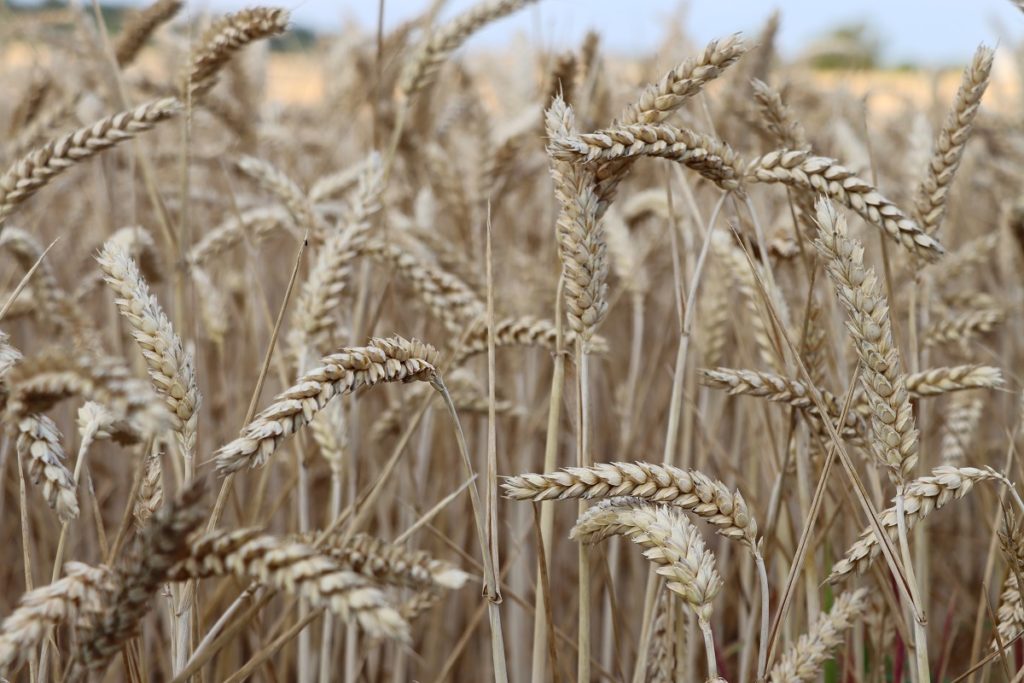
(669, 302)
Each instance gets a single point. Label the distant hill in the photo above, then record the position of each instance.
(299, 38)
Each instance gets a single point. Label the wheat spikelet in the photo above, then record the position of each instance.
(392, 564)
(140, 26)
(259, 222)
(803, 661)
(777, 119)
(295, 568)
(521, 331)
(225, 37)
(669, 540)
(962, 417)
(322, 290)
(160, 546)
(710, 157)
(922, 496)
(782, 390)
(30, 173)
(383, 360)
(170, 366)
(891, 416)
(799, 168)
(77, 597)
(953, 136)
(448, 297)
(287, 191)
(944, 380)
(421, 69)
(688, 489)
(39, 442)
(661, 99)
(581, 245)
(963, 327)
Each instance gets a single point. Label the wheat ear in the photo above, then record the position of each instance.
(160, 546)
(949, 147)
(689, 489)
(800, 168)
(30, 173)
(78, 597)
(803, 661)
(171, 368)
(922, 496)
(421, 69)
(669, 541)
(294, 568)
(39, 442)
(891, 416)
(383, 360)
(225, 37)
(140, 26)
(710, 157)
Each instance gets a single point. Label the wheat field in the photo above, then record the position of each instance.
(451, 366)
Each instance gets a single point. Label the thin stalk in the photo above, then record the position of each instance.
(547, 512)
(492, 589)
(920, 622)
(709, 649)
(583, 460)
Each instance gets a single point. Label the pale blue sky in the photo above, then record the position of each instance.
(930, 32)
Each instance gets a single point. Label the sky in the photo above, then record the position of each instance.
(925, 32)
